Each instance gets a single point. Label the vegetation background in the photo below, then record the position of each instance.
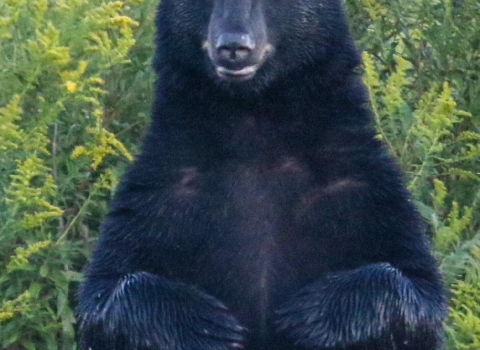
(75, 95)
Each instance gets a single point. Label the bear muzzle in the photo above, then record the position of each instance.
(236, 57)
(237, 42)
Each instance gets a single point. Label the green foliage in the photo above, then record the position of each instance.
(416, 50)
(438, 37)
(464, 313)
(56, 152)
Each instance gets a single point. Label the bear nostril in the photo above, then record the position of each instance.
(234, 47)
(242, 53)
(233, 54)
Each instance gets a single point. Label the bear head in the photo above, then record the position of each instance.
(249, 44)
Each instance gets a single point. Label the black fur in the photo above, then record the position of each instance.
(261, 213)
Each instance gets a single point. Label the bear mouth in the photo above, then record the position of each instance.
(236, 74)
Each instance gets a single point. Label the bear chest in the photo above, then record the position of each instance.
(258, 250)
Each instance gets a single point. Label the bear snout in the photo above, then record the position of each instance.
(237, 39)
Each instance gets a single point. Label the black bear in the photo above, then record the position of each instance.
(261, 213)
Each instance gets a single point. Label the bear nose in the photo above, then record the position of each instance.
(234, 47)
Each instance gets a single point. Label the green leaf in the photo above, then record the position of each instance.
(44, 271)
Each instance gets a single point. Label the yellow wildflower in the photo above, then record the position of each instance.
(71, 86)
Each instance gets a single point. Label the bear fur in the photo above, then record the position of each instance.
(262, 212)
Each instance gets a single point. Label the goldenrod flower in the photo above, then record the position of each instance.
(71, 86)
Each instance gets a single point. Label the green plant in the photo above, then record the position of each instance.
(438, 37)
(415, 46)
(424, 134)
(54, 147)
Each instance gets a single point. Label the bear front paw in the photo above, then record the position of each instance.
(143, 311)
(374, 306)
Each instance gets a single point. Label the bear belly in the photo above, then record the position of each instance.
(259, 257)
(251, 279)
